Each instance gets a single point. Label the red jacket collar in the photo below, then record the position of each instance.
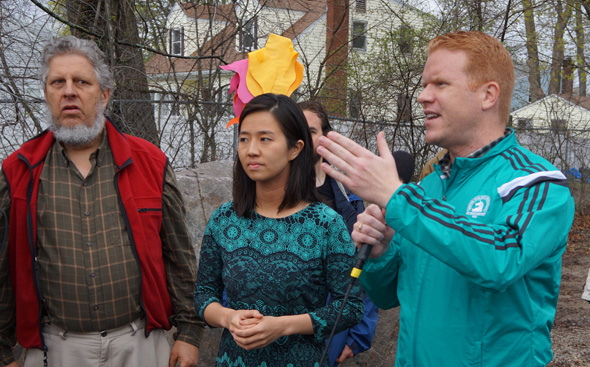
(35, 150)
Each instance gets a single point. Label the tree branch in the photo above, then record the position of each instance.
(135, 45)
(506, 17)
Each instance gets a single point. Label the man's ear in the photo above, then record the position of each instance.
(294, 152)
(490, 95)
(106, 94)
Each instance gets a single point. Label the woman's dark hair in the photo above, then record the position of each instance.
(318, 109)
(301, 181)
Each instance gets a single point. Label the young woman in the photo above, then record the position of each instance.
(275, 249)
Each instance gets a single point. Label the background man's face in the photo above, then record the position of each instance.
(72, 91)
(315, 127)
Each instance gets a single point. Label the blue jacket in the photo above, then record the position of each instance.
(359, 337)
(476, 261)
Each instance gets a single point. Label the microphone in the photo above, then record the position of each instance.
(360, 260)
(404, 162)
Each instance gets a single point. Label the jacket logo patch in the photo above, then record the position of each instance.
(478, 206)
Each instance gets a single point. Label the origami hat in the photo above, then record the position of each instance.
(271, 69)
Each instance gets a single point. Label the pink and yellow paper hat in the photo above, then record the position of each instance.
(271, 69)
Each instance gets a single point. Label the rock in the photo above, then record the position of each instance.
(204, 189)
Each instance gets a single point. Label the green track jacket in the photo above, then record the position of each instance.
(476, 261)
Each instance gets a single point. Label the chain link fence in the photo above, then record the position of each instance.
(193, 133)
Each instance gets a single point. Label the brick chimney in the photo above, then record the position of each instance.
(567, 76)
(334, 95)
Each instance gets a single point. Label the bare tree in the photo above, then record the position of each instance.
(563, 15)
(368, 75)
(534, 73)
(23, 31)
(113, 25)
(583, 66)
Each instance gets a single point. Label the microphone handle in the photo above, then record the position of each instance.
(360, 260)
(356, 271)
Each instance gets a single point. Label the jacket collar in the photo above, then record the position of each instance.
(119, 145)
(479, 156)
(35, 149)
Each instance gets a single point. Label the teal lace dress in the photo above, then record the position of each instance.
(279, 266)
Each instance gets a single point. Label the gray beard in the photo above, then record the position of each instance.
(80, 134)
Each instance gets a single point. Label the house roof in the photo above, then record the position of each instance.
(217, 51)
(297, 5)
(313, 11)
(578, 101)
(222, 47)
(219, 12)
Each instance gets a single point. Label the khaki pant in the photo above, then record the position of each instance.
(126, 346)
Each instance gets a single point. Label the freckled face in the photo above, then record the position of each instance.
(72, 91)
(262, 149)
(450, 104)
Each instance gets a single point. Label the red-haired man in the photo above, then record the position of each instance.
(473, 253)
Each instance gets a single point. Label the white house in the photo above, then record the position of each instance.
(555, 112)
(332, 38)
(325, 33)
(558, 128)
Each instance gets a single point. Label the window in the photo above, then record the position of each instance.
(524, 123)
(170, 105)
(558, 125)
(177, 41)
(248, 36)
(166, 105)
(361, 6)
(354, 104)
(359, 36)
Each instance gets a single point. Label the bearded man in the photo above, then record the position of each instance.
(99, 261)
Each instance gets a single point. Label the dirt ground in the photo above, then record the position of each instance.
(571, 331)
